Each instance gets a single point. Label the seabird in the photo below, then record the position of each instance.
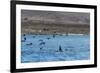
(42, 43)
(29, 44)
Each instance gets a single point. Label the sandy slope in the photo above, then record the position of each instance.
(59, 22)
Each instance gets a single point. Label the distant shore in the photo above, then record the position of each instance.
(37, 28)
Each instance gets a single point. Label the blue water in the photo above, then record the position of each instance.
(74, 47)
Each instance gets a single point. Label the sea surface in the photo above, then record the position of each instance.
(48, 48)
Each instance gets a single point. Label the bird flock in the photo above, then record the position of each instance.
(41, 42)
(55, 47)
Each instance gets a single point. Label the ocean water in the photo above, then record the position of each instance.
(47, 48)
